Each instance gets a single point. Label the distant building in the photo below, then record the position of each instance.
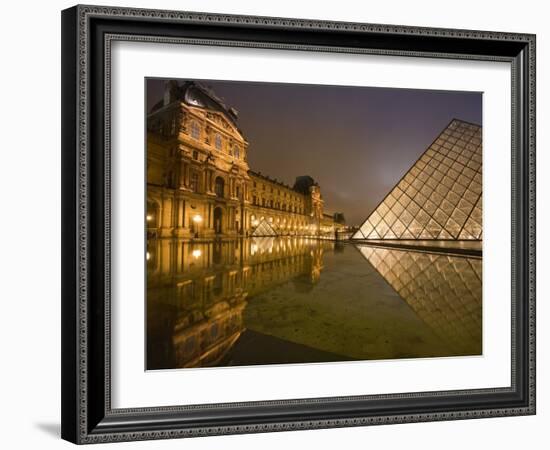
(199, 184)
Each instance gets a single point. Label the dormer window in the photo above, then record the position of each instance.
(195, 130)
(236, 152)
(218, 142)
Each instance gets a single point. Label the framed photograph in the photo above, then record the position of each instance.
(279, 224)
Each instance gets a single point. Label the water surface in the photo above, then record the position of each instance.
(299, 300)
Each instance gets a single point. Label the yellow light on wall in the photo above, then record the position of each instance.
(148, 256)
(196, 253)
(149, 217)
(197, 218)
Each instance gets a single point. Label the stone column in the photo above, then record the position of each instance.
(187, 179)
(181, 181)
(167, 214)
(181, 213)
(160, 212)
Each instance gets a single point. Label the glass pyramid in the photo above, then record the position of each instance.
(444, 291)
(264, 229)
(439, 197)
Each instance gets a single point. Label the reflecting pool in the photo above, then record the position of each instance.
(299, 300)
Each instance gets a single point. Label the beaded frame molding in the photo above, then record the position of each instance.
(87, 35)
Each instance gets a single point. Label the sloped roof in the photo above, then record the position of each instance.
(195, 94)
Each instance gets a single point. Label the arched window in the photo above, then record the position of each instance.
(236, 152)
(218, 186)
(195, 130)
(218, 141)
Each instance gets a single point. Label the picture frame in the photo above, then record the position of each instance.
(87, 413)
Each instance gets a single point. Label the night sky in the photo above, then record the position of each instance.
(356, 142)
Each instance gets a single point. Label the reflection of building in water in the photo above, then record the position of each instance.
(199, 183)
(444, 291)
(202, 289)
(439, 198)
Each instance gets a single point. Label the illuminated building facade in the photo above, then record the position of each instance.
(199, 184)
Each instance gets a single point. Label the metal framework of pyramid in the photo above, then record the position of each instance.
(264, 229)
(440, 197)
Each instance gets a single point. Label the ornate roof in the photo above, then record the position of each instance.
(195, 94)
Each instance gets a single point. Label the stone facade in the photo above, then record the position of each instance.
(199, 184)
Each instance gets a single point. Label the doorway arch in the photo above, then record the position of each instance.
(218, 216)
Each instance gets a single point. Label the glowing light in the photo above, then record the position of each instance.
(197, 218)
(148, 256)
(149, 217)
(196, 253)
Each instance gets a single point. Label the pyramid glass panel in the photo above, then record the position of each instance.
(439, 197)
(264, 229)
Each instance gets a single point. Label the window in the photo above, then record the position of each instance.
(218, 142)
(271, 203)
(238, 188)
(254, 200)
(195, 130)
(195, 155)
(218, 186)
(237, 152)
(195, 182)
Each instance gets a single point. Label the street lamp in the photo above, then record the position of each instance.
(197, 219)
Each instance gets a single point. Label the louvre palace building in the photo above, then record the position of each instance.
(199, 183)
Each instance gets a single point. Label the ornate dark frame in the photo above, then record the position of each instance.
(87, 32)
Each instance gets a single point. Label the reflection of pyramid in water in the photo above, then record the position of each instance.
(443, 290)
(439, 197)
(264, 229)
